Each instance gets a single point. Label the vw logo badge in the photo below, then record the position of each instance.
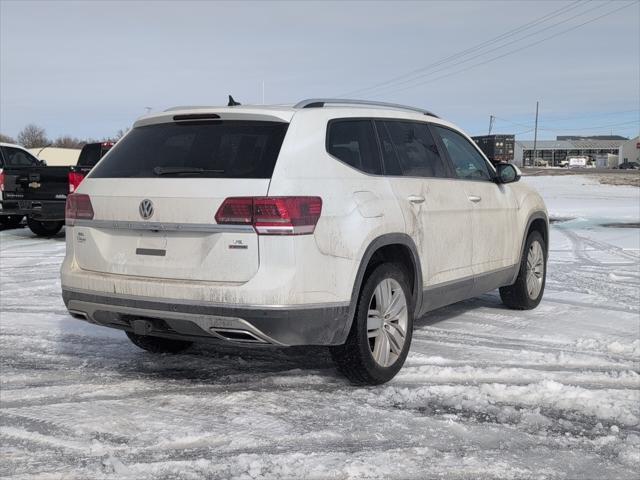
(146, 209)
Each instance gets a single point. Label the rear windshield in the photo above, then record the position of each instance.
(90, 155)
(16, 157)
(214, 149)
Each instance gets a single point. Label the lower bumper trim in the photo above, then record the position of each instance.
(316, 325)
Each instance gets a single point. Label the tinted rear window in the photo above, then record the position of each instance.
(15, 157)
(409, 147)
(354, 142)
(218, 149)
(90, 155)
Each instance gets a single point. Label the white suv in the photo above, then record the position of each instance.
(330, 222)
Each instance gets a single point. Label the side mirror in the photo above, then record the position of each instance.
(43, 163)
(507, 173)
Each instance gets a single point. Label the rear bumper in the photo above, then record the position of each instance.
(36, 209)
(318, 324)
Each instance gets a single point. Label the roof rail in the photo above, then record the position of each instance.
(321, 102)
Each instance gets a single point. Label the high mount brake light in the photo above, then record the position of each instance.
(272, 215)
(78, 207)
(75, 178)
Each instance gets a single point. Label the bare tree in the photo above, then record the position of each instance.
(114, 138)
(121, 133)
(33, 136)
(6, 139)
(67, 141)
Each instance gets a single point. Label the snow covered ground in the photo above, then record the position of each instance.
(486, 392)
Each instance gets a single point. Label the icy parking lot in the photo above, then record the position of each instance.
(486, 392)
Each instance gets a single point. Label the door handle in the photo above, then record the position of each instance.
(415, 198)
(474, 198)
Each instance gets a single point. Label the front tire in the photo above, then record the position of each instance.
(11, 221)
(157, 344)
(44, 229)
(526, 292)
(380, 336)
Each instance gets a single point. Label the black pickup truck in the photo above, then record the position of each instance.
(39, 192)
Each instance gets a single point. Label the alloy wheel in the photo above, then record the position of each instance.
(535, 270)
(387, 322)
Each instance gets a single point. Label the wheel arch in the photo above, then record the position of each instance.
(396, 247)
(538, 221)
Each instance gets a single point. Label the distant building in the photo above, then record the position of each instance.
(497, 148)
(630, 151)
(592, 137)
(55, 156)
(557, 153)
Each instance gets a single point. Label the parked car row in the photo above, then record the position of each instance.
(29, 188)
(629, 166)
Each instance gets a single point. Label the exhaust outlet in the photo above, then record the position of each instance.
(79, 315)
(235, 335)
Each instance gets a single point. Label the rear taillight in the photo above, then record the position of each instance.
(78, 207)
(272, 215)
(1, 180)
(75, 178)
(236, 211)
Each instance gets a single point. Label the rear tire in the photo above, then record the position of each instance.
(11, 221)
(44, 229)
(158, 344)
(380, 335)
(526, 292)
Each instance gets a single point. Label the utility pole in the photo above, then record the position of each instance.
(535, 135)
(491, 118)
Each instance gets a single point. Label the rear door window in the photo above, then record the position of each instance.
(410, 150)
(213, 149)
(15, 157)
(467, 161)
(354, 143)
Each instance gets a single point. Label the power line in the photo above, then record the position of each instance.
(552, 128)
(467, 51)
(576, 117)
(511, 52)
(602, 114)
(509, 43)
(513, 123)
(590, 128)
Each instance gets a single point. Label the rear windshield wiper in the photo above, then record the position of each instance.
(182, 171)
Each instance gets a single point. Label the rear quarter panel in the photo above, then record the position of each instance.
(356, 207)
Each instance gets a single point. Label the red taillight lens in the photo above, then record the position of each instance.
(1, 180)
(75, 178)
(236, 211)
(286, 215)
(78, 207)
(272, 215)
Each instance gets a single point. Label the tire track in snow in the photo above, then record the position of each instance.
(437, 335)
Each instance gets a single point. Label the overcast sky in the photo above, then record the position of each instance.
(90, 68)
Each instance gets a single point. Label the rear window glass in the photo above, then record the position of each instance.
(409, 147)
(14, 157)
(90, 155)
(214, 149)
(354, 142)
